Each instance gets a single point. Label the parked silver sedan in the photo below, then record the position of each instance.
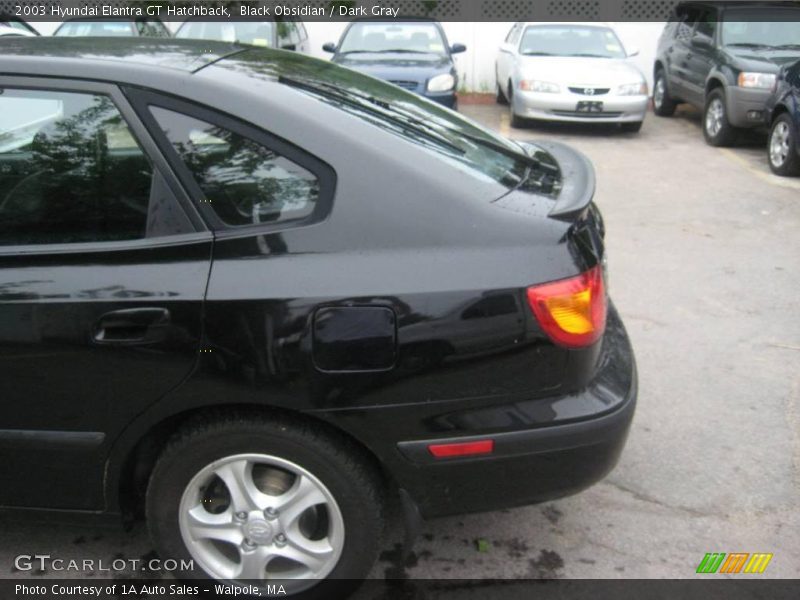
(570, 72)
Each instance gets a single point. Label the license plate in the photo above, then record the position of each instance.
(589, 107)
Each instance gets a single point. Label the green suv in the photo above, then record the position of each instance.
(723, 57)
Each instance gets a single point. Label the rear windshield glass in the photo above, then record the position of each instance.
(748, 28)
(454, 138)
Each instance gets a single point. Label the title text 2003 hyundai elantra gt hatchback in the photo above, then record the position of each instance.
(258, 298)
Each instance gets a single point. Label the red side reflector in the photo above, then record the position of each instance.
(462, 449)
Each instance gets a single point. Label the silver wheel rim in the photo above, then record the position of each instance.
(715, 116)
(252, 518)
(779, 144)
(658, 93)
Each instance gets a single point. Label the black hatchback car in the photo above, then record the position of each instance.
(723, 57)
(259, 299)
(414, 55)
(783, 107)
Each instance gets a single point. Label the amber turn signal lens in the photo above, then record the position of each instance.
(572, 311)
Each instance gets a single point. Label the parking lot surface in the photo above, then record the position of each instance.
(704, 250)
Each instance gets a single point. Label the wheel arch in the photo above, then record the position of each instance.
(777, 110)
(714, 82)
(658, 66)
(134, 455)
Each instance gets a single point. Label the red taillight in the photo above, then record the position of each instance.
(462, 449)
(571, 311)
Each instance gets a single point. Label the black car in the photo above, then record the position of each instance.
(783, 107)
(414, 55)
(150, 27)
(261, 299)
(287, 35)
(723, 57)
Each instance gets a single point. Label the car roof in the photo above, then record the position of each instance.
(84, 53)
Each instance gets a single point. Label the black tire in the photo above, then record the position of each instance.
(663, 104)
(631, 127)
(722, 133)
(336, 462)
(786, 163)
(500, 98)
(516, 121)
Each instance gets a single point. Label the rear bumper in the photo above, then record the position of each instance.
(528, 466)
(544, 448)
(562, 107)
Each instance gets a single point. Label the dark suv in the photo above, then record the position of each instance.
(724, 57)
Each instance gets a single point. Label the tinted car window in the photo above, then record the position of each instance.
(97, 29)
(244, 182)
(258, 33)
(687, 16)
(70, 170)
(706, 24)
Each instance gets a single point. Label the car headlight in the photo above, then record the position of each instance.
(442, 83)
(633, 89)
(761, 81)
(531, 85)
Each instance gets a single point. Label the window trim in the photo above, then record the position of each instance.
(142, 100)
(148, 146)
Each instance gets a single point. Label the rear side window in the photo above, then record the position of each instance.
(244, 182)
(70, 170)
(687, 16)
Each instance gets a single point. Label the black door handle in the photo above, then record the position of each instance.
(132, 326)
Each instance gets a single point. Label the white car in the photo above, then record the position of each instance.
(575, 72)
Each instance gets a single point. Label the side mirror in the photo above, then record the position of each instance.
(633, 51)
(457, 48)
(329, 47)
(701, 41)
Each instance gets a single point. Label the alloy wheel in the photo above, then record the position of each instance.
(715, 115)
(254, 517)
(779, 144)
(658, 92)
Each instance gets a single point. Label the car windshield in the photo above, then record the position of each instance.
(747, 28)
(97, 29)
(258, 33)
(571, 40)
(414, 38)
